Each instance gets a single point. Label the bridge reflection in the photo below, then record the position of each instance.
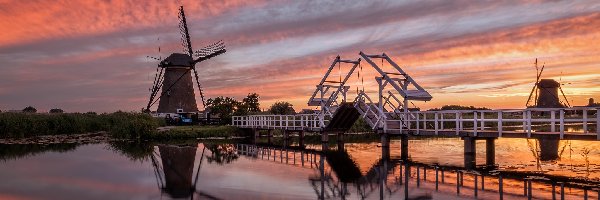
(337, 176)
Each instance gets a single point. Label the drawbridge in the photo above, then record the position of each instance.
(335, 112)
(387, 109)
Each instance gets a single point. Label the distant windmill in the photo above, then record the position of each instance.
(546, 92)
(174, 78)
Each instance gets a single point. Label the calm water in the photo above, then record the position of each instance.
(232, 171)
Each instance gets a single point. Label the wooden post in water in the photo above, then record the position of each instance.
(418, 177)
(524, 187)
(475, 185)
(404, 147)
(301, 139)
(269, 136)
(385, 146)
(436, 178)
(553, 191)
(529, 190)
(562, 190)
(482, 182)
(406, 178)
(443, 176)
(340, 141)
(469, 152)
(285, 137)
(500, 190)
(324, 137)
(490, 151)
(457, 182)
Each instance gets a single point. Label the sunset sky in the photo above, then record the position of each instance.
(91, 55)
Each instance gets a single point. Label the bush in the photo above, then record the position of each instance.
(29, 109)
(56, 110)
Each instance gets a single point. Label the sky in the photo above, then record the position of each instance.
(91, 55)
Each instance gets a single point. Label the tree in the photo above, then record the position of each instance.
(459, 107)
(56, 110)
(29, 109)
(224, 107)
(282, 108)
(251, 102)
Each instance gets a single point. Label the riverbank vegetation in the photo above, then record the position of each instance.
(118, 124)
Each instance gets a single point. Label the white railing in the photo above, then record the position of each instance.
(371, 110)
(539, 120)
(290, 122)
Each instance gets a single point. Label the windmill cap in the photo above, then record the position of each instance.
(548, 83)
(177, 60)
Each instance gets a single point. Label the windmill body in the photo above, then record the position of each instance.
(178, 85)
(548, 94)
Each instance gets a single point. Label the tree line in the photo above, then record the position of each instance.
(226, 107)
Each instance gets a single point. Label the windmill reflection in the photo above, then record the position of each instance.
(174, 168)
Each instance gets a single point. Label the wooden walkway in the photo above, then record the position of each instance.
(569, 124)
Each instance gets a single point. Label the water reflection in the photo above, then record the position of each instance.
(354, 170)
(221, 153)
(339, 176)
(18, 151)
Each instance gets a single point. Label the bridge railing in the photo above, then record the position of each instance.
(547, 120)
(288, 122)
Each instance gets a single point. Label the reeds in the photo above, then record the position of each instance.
(118, 124)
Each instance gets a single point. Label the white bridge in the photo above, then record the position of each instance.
(390, 113)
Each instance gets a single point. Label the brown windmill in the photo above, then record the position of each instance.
(546, 92)
(174, 75)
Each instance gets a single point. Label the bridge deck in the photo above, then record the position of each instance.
(571, 124)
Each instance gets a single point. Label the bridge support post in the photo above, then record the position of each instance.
(256, 134)
(385, 146)
(269, 136)
(340, 141)
(324, 137)
(301, 139)
(286, 138)
(404, 147)
(470, 149)
(490, 152)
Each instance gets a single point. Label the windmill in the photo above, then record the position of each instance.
(546, 92)
(173, 74)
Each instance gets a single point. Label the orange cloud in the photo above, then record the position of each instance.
(32, 21)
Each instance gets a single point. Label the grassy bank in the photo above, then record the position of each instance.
(118, 124)
(183, 132)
